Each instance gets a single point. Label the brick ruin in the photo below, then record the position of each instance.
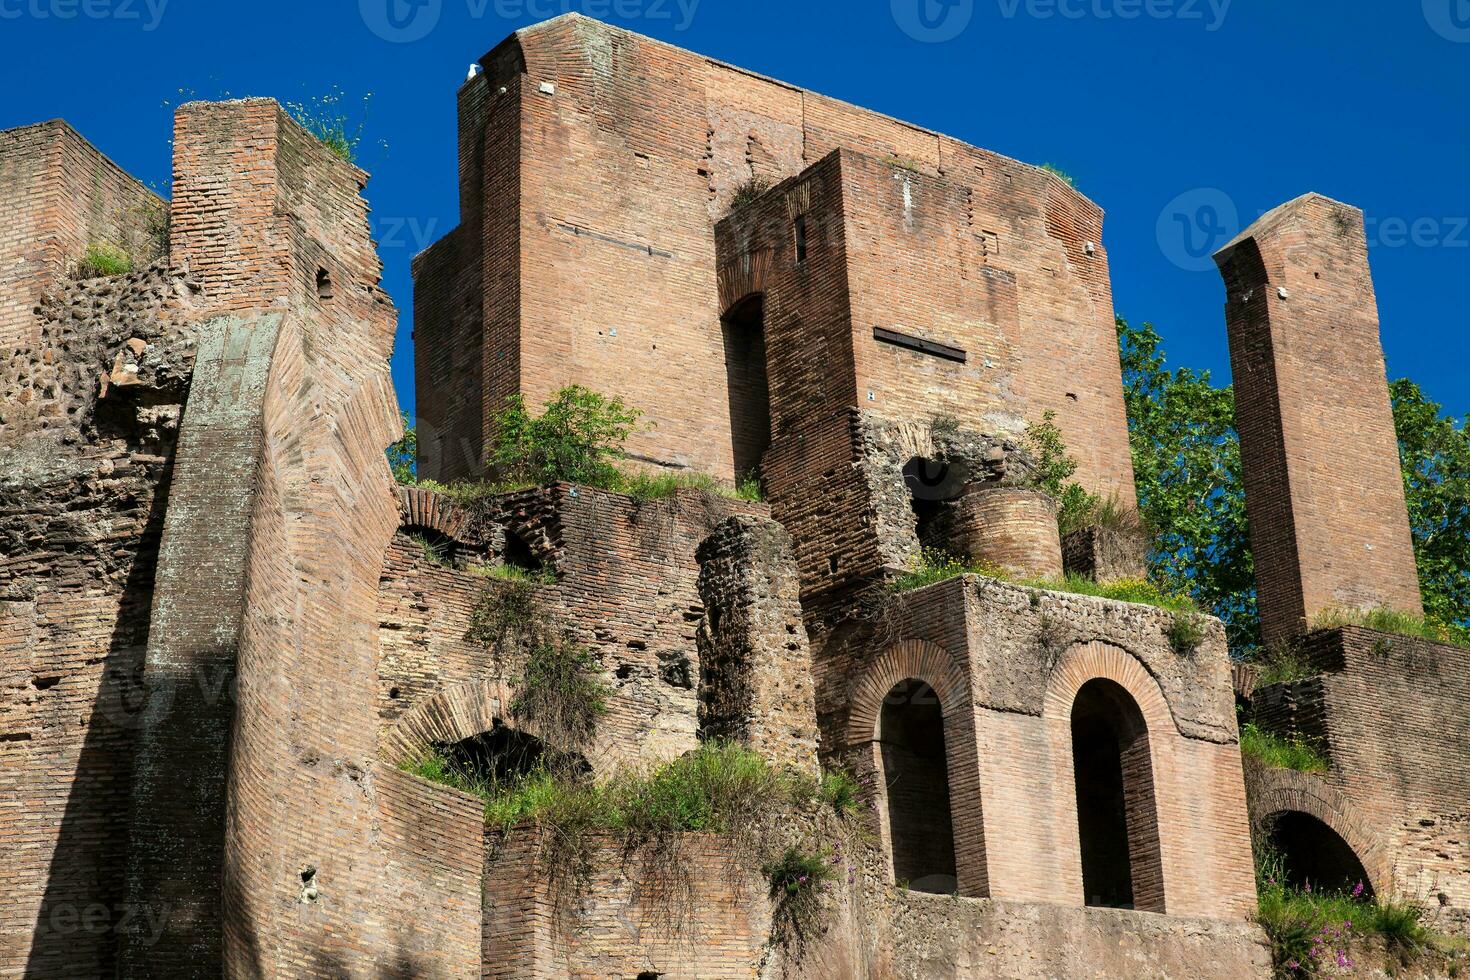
(224, 628)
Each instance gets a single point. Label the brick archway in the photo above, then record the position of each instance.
(1140, 720)
(1103, 661)
(744, 278)
(920, 660)
(454, 714)
(433, 512)
(1277, 791)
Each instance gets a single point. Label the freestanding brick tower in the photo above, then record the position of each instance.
(1324, 493)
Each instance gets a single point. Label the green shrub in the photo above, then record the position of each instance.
(575, 439)
(1186, 632)
(435, 552)
(508, 610)
(934, 566)
(1052, 168)
(1280, 753)
(1052, 474)
(749, 191)
(1140, 591)
(403, 454)
(1392, 621)
(103, 259)
(561, 691)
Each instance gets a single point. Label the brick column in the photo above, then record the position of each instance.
(1324, 491)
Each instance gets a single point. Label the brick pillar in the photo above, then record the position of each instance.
(1324, 491)
(755, 677)
(1011, 527)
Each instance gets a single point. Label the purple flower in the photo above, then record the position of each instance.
(1293, 965)
(1308, 888)
(1357, 889)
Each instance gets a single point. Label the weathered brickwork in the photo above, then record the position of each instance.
(1006, 663)
(1011, 528)
(623, 584)
(59, 196)
(88, 430)
(1388, 711)
(224, 631)
(1320, 459)
(755, 682)
(591, 158)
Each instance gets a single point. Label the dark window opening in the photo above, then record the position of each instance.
(916, 780)
(1117, 821)
(800, 224)
(518, 554)
(504, 753)
(932, 485)
(749, 393)
(1312, 853)
(436, 547)
(323, 284)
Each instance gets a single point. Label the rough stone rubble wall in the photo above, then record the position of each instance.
(87, 432)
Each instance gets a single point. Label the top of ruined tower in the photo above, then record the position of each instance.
(591, 33)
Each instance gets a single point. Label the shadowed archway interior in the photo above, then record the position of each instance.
(916, 781)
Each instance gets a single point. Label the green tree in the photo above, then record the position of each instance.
(403, 455)
(1435, 452)
(1186, 463)
(1053, 471)
(576, 439)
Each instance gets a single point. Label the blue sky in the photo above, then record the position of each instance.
(1171, 114)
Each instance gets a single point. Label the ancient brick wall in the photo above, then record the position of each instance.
(755, 682)
(1320, 459)
(1388, 711)
(625, 586)
(1010, 528)
(630, 151)
(90, 417)
(632, 919)
(1006, 663)
(60, 195)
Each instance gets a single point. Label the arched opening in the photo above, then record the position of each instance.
(916, 780)
(436, 547)
(745, 377)
(1312, 853)
(518, 554)
(1117, 821)
(932, 484)
(504, 754)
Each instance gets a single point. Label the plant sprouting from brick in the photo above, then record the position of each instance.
(434, 552)
(104, 259)
(839, 790)
(561, 693)
(1392, 621)
(328, 118)
(508, 614)
(1059, 172)
(1186, 631)
(1283, 662)
(1052, 474)
(797, 879)
(403, 454)
(749, 191)
(576, 439)
(1298, 753)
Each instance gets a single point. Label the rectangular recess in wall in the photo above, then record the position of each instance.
(920, 345)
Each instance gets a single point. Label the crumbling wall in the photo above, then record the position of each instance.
(711, 915)
(88, 428)
(1328, 526)
(755, 684)
(1388, 711)
(622, 583)
(59, 196)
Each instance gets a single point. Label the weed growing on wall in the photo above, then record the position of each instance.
(1296, 753)
(330, 119)
(104, 259)
(751, 190)
(1054, 467)
(561, 693)
(797, 879)
(1392, 621)
(1186, 632)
